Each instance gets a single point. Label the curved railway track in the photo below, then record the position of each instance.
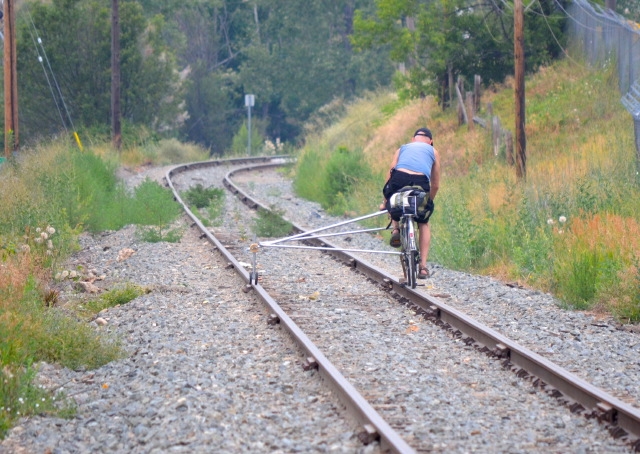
(382, 415)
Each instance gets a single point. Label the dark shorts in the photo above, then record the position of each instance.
(399, 180)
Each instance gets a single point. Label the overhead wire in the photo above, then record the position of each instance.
(555, 38)
(46, 75)
(38, 43)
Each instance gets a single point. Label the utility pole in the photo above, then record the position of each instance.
(521, 138)
(11, 136)
(116, 131)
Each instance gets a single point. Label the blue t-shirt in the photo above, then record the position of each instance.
(417, 157)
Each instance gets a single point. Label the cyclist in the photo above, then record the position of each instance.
(416, 163)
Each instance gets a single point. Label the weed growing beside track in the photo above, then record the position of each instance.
(48, 196)
(571, 228)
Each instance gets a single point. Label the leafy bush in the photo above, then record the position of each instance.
(342, 173)
(201, 197)
(156, 234)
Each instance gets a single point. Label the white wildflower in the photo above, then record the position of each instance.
(49, 244)
(562, 219)
(44, 235)
(39, 240)
(51, 230)
(550, 221)
(65, 274)
(73, 274)
(38, 230)
(25, 248)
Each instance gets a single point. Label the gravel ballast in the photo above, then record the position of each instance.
(207, 373)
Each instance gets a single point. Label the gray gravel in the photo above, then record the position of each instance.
(206, 373)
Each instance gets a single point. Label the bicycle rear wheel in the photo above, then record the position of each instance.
(410, 267)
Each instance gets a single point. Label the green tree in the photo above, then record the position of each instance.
(438, 40)
(300, 58)
(210, 37)
(76, 36)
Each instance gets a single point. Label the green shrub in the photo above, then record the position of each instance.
(309, 174)
(113, 298)
(201, 197)
(577, 278)
(157, 234)
(153, 205)
(342, 173)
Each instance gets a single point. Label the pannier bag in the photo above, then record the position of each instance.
(410, 200)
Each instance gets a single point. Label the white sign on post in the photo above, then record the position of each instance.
(249, 101)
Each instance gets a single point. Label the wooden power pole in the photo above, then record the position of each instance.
(115, 76)
(521, 138)
(11, 137)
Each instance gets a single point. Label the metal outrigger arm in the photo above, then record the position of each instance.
(313, 234)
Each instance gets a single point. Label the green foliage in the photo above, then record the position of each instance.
(309, 173)
(448, 38)
(576, 279)
(19, 397)
(112, 298)
(628, 295)
(201, 197)
(270, 223)
(213, 101)
(342, 173)
(31, 332)
(148, 71)
(157, 234)
(211, 199)
(240, 143)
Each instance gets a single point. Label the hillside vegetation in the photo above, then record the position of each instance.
(572, 228)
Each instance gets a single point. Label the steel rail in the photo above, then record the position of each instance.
(374, 426)
(622, 419)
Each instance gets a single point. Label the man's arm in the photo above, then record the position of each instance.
(435, 175)
(394, 162)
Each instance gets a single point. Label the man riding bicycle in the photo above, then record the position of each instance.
(416, 163)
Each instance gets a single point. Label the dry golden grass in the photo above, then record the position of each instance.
(608, 233)
(396, 131)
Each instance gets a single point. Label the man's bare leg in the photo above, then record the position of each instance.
(425, 242)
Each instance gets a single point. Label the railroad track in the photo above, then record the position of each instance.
(390, 397)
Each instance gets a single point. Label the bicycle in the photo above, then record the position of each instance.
(408, 202)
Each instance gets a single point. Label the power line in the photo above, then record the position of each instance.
(53, 76)
(46, 75)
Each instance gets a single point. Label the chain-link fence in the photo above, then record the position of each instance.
(603, 36)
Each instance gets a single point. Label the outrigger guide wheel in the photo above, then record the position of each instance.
(253, 276)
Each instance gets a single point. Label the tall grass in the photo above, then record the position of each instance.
(562, 230)
(48, 195)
